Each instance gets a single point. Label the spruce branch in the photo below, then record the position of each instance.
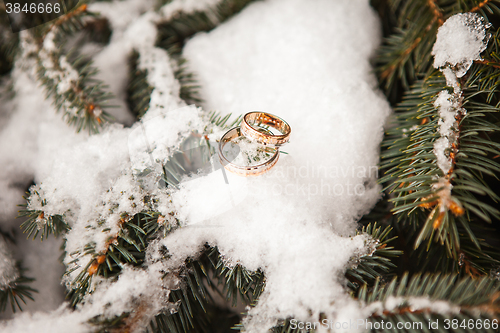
(373, 265)
(471, 261)
(70, 79)
(433, 297)
(38, 221)
(9, 46)
(194, 300)
(436, 11)
(16, 291)
(173, 33)
(405, 54)
(236, 279)
(413, 176)
(190, 90)
(138, 89)
(126, 247)
(479, 6)
(177, 165)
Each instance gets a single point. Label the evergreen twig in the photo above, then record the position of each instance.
(373, 265)
(412, 300)
(69, 79)
(17, 291)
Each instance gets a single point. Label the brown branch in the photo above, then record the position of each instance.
(136, 319)
(436, 11)
(391, 68)
(491, 307)
(488, 63)
(464, 261)
(438, 16)
(478, 7)
(100, 258)
(64, 18)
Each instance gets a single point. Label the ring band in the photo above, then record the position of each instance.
(244, 171)
(264, 118)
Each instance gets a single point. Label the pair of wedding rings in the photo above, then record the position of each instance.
(253, 127)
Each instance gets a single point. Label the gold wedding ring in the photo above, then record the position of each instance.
(244, 171)
(255, 119)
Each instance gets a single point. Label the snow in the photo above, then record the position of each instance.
(64, 75)
(446, 109)
(187, 6)
(307, 64)
(20, 159)
(8, 270)
(421, 303)
(460, 41)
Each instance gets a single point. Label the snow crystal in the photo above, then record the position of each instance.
(460, 41)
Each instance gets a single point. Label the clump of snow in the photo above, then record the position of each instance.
(160, 76)
(441, 146)
(448, 106)
(248, 153)
(310, 66)
(57, 68)
(446, 110)
(460, 41)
